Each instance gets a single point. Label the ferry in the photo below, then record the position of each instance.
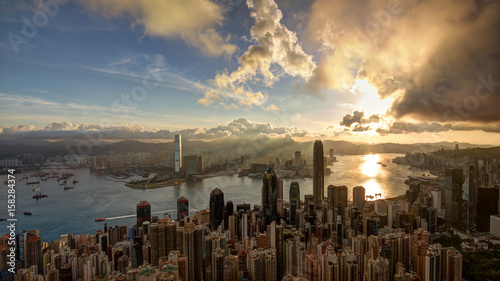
(100, 219)
(28, 213)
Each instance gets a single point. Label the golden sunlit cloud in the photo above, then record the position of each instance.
(370, 102)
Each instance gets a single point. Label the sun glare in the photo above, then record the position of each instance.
(370, 101)
(370, 168)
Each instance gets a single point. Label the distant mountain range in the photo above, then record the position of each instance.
(13, 147)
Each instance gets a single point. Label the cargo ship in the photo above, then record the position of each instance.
(39, 195)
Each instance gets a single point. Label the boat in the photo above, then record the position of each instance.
(100, 219)
(44, 179)
(28, 213)
(32, 182)
(3, 219)
(39, 195)
(68, 187)
(75, 181)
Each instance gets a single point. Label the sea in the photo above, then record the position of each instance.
(75, 210)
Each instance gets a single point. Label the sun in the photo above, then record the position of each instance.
(369, 100)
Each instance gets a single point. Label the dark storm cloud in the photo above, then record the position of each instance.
(357, 117)
(434, 127)
(460, 81)
(439, 60)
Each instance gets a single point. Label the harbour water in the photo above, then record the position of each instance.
(75, 210)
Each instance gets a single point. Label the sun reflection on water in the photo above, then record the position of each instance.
(372, 169)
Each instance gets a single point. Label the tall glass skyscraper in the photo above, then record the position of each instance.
(294, 201)
(318, 174)
(177, 154)
(270, 197)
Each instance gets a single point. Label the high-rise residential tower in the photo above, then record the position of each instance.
(182, 208)
(270, 197)
(143, 213)
(216, 208)
(318, 174)
(294, 201)
(177, 154)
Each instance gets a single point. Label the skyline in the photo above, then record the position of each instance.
(252, 68)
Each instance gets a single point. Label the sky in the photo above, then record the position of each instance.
(360, 70)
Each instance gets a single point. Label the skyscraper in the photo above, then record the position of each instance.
(192, 244)
(358, 197)
(182, 207)
(453, 264)
(33, 252)
(177, 154)
(227, 213)
(453, 197)
(488, 207)
(298, 159)
(294, 201)
(270, 197)
(216, 208)
(143, 213)
(190, 164)
(337, 198)
(469, 198)
(279, 201)
(318, 174)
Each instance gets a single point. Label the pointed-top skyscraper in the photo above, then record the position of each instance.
(318, 174)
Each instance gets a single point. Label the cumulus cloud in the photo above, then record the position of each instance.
(239, 128)
(427, 55)
(193, 21)
(275, 47)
